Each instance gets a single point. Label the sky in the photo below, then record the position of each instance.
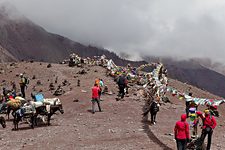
(176, 28)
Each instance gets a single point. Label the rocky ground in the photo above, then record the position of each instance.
(120, 125)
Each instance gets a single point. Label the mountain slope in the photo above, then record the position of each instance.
(25, 40)
(201, 77)
(218, 67)
(5, 55)
(21, 39)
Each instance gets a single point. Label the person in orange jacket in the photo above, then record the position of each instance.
(209, 124)
(181, 133)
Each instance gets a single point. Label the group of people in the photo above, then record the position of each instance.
(181, 130)
(24, 81)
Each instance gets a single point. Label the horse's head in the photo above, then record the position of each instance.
(2, 122)
(55, 108)
(61, 109)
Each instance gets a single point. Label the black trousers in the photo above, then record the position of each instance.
(22, 88)
(181, 144)
(121, 90)
(99, 94)
(153, 117)
(204, 133)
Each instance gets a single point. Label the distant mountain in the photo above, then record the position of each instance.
(25, 40)
(206, 62)
(21, 39)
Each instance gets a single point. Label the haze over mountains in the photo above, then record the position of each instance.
(21, 39)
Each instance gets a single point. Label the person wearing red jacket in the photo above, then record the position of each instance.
(209, 123)
(95, 97)
(181, 133)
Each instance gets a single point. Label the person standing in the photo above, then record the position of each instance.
(4, 93)
(154, 108)
(126, 84)
(181, 133)
(13, 84)
(95, 98)
(101, 87)
(101, 83)
(122, 84)
(22, 85)
(209, 124)
(189, 93)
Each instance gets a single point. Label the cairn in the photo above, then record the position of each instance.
(65, 82)
(59, 91)
(78, 82)
(51, 87)
(82, 72)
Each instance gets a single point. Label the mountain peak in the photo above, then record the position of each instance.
(9, 12)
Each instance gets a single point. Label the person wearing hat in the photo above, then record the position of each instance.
(22, 85)
(181, 133)
(209, 124)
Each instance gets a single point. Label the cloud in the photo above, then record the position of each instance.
(177, 28)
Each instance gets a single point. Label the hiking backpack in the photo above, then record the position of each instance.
(27, 80)
(154, 107)
(121, 80)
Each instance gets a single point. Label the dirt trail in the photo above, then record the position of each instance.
(120, 125)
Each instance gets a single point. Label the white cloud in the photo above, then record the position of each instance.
(180, 28)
